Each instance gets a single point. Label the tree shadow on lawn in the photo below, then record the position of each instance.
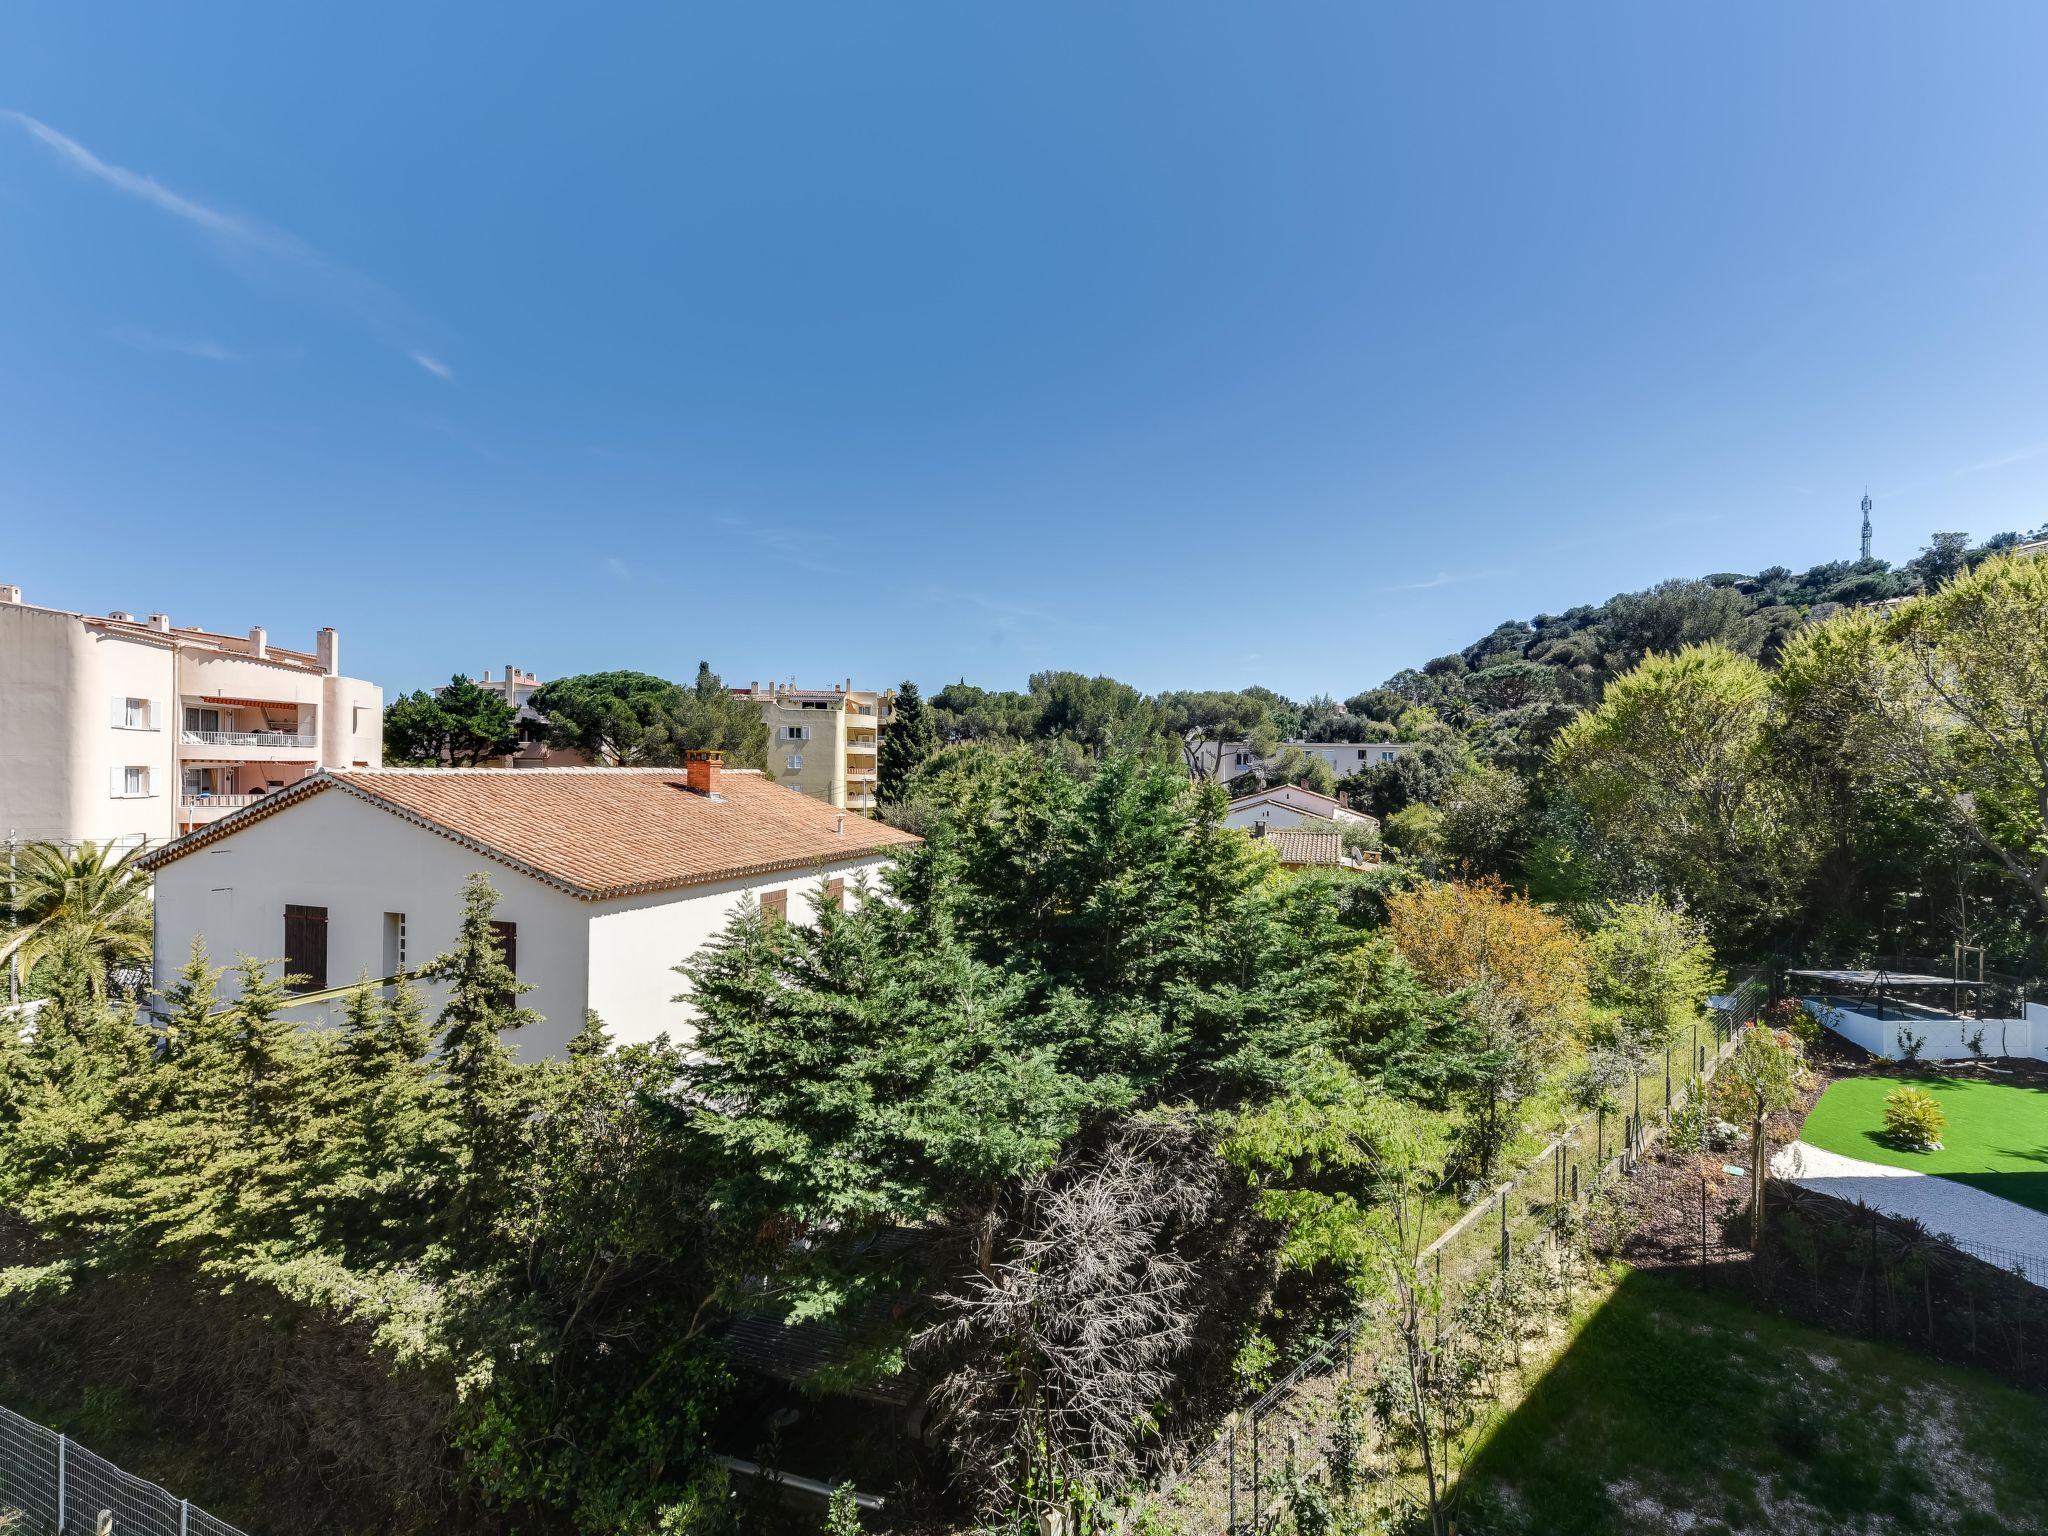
(1678, 1409)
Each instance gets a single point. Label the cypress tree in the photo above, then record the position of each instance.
(485, 1094)
(910, 737)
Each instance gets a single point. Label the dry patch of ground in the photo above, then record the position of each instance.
(1678, 1410)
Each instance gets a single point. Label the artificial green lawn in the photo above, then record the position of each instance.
(1997, 1137)
(1675, 1409)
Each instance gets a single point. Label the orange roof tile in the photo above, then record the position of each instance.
(594, 832)
(1297, 846)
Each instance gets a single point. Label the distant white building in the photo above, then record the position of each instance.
(1287, 805)
(126, 730)
(609, 877)
(1231, 759)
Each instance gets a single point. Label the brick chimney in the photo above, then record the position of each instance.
(701, 770)
(327, 646)
(160, 622)
(10, 593)
(259, 643)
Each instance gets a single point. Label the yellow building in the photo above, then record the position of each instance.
(824, 741)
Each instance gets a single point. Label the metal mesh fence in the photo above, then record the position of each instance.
(1235, 1474)
(52, 1486)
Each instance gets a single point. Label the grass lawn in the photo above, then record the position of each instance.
(1997, 1137)
(1674, 1409)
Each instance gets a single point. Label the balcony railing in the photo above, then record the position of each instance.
(217, 802)
(247, 739)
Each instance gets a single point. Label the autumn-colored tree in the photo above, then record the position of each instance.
(1459, 934)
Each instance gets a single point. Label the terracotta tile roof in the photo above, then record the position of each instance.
(594, 832)
(1300, 845)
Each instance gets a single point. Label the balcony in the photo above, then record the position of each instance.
(857, 748)
(856, 802)
(248, 739)
(198, 810)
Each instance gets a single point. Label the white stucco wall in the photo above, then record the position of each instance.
(636, 941)
(334, 851)
(1940, 1039)
(1273, 814)
(61, 742)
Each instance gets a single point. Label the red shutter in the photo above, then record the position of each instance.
(775, 905)
(835, 893)
(305, 948)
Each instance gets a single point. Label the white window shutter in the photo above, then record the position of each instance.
(118, 787)
(155, 718)
(117, 711)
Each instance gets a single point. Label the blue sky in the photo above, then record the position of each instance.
(1203, 345)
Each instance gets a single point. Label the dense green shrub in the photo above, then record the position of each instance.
(1914, 1118)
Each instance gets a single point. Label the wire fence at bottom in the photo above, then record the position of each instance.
(52, 1486)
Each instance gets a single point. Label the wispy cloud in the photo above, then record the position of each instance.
(246, 242)
(135, 184)
(618, 567)
(200, 347)
(1440, 579)
(806, 551)
(2000, 461)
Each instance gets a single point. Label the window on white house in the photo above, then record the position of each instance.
(796, 733)
(356, 720)
(131, 782)
(796, 760)
(135, 714)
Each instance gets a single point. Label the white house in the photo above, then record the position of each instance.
(609, 877)
(1287, 805)
(1229, 759)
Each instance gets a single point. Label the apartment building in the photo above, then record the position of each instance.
(115, 728)
(516, 686)
(824, 741)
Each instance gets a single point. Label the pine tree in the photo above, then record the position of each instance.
(908, 739)
(484, 1088)
(385, 1142)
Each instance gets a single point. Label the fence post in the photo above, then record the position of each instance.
(1503, 1229)
(1703, 1222)
(1256, 1491)
(1600, 1136)
(184, 1517)
(1667, 1084)
(1230, 1463)
(60, 1483)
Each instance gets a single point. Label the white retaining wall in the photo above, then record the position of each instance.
(1942, 1039)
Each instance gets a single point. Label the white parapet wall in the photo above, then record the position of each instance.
(1940, 1039)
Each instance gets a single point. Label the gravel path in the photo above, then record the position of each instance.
(1968, 1216)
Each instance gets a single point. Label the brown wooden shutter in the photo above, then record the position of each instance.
(775, 906)
(305, 948)
(835, 893)
(508, 948)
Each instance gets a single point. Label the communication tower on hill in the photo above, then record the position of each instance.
(1866, 525)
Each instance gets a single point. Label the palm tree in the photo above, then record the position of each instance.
(90, 899)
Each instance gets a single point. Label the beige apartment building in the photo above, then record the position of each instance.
(132, 730)
(824, 741)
